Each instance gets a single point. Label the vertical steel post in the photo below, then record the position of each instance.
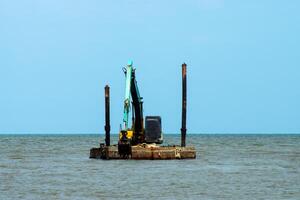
(107, 117)
(183, 116)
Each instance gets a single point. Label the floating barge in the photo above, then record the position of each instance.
(145, 152)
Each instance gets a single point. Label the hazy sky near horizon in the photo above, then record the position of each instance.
(243, 62)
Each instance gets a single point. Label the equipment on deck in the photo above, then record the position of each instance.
(138, 141)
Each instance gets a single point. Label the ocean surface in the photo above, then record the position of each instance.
(227, 167)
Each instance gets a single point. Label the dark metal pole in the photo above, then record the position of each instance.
(107, 117)
(183, 116)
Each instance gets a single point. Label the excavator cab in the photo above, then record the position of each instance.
(153, 133)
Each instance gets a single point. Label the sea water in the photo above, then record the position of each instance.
(227, 167)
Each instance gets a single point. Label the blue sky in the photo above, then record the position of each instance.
(242, 56)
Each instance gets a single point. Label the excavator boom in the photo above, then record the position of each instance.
(128, 74)
(136, 134)
(132, 92)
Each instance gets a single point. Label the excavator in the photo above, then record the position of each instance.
(137, 133)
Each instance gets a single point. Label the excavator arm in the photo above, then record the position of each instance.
(128, 74)
(137, 134)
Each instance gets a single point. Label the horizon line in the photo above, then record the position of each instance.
(204, 133)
